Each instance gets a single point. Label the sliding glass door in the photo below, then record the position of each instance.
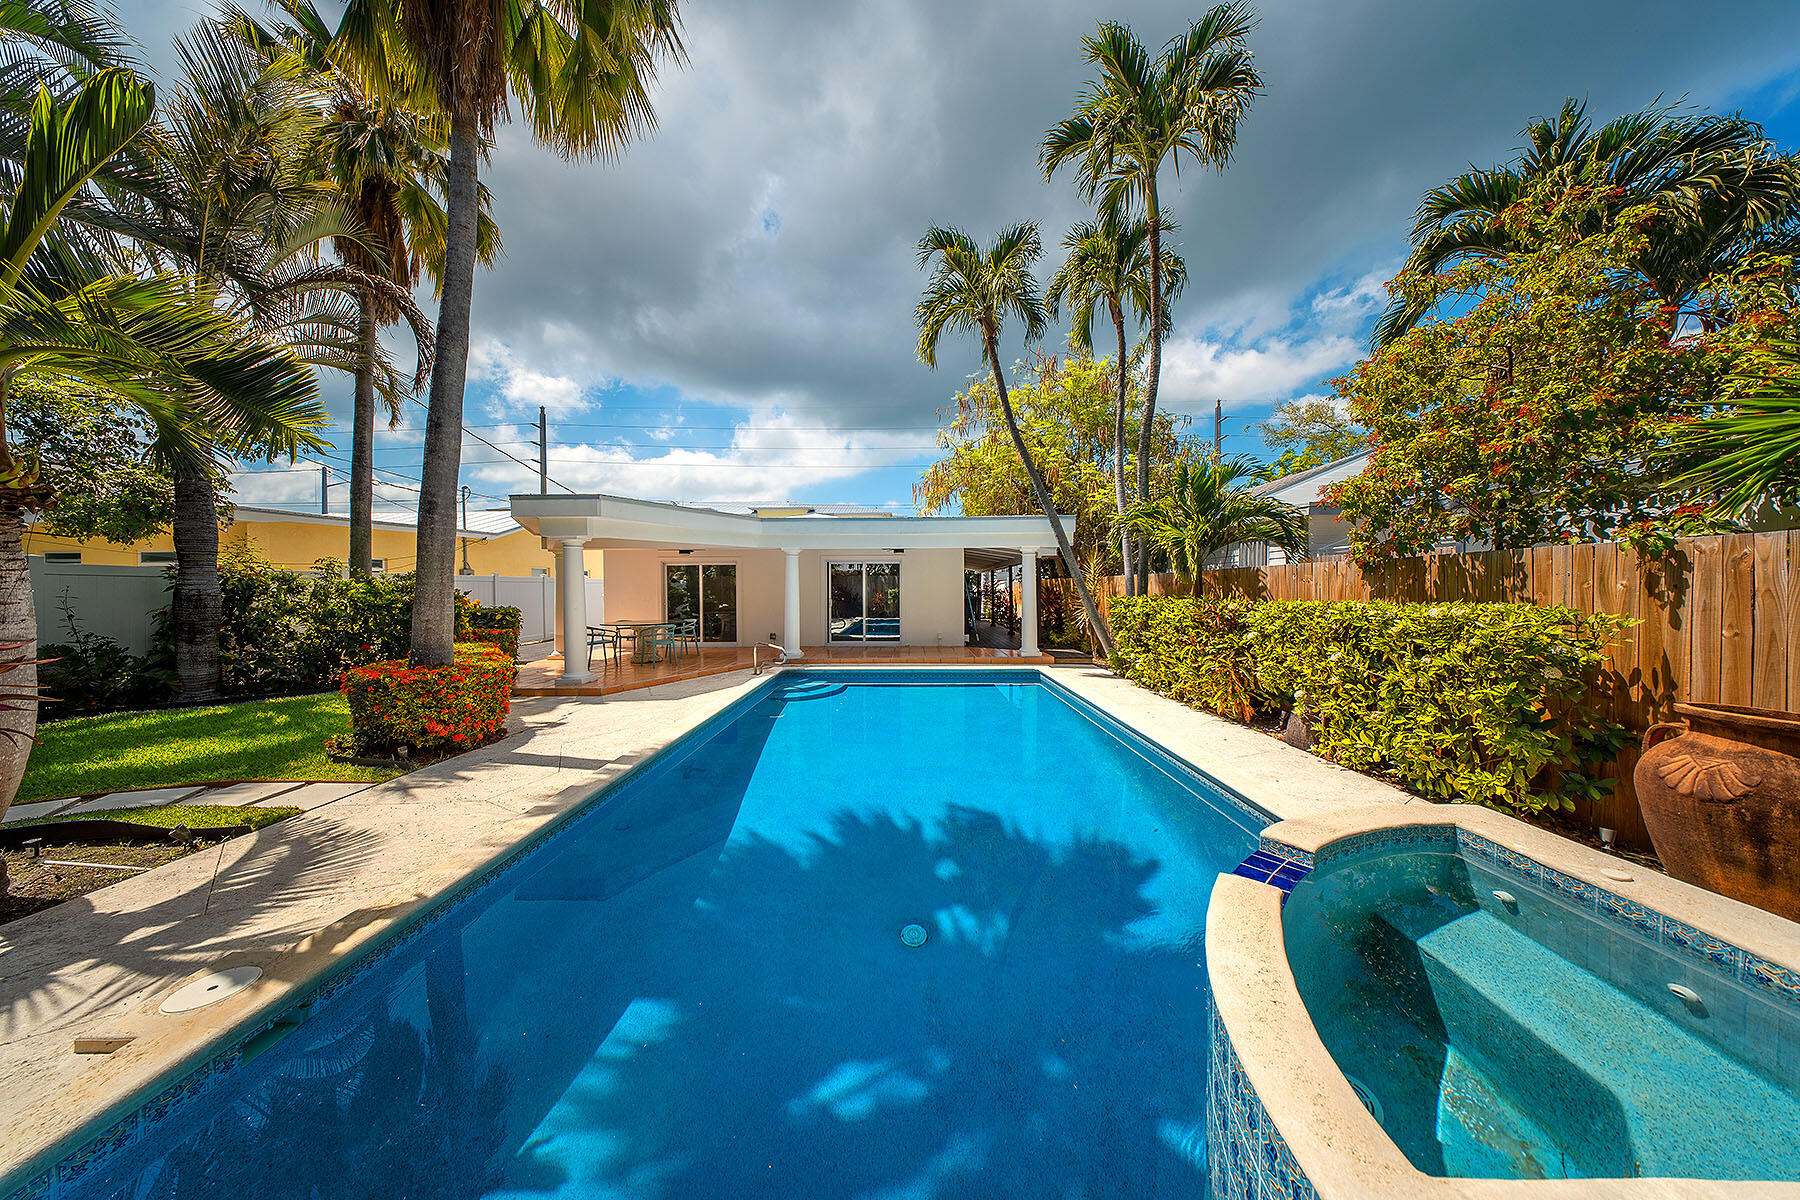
(706, 592)
(864, 602)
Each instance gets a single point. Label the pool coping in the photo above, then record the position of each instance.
(1306, 1114)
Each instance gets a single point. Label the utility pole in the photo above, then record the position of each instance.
(466, 568)
(543, 453)
(324, 490)
(1218, 430)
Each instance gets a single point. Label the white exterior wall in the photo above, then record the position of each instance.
(931, 590)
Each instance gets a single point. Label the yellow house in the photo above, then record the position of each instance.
(493, 544)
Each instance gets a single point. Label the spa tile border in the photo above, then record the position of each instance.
(1248, 1159)
(1714, 953)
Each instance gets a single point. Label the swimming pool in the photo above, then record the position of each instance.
(1499, 1028)
(699, 987)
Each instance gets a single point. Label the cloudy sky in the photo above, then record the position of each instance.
(726, 311)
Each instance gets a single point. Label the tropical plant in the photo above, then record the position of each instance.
(1109, 263)
(972, 291)
(1188, 101)
(237, 200)
(1208, 508)
(1065, 409)
(581, 74)
(195, 373)
(1720, 193)
(1550, 408)
(385, 151)
(1749, 452)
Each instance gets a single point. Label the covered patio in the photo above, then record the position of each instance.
(823, 588)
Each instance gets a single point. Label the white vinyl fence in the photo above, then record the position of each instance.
(117, 602)
(121, 602)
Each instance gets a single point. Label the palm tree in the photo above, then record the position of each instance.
(1724, 191)
(238, 202)
(972, 292)
(1109, 261)
(1208, 509)
(1749, 454)
(197, 375)
(581, 74)
(1140, 112)
(388, 161)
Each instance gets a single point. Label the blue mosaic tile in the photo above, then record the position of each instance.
(1715, 950)
(1770, 977)
(1247, 1158)
(1630, 913)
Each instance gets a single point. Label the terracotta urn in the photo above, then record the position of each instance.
(1720, 791)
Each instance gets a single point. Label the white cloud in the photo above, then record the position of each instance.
(1197, 371)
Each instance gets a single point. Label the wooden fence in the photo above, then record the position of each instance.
(1717, 620)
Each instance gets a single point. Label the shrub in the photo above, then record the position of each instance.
(91, 672)
(496, 626)
(429, 708)
(1484, 703)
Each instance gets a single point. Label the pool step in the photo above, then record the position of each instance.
(1626, 1089)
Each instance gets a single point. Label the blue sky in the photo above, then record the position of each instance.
(725, 311)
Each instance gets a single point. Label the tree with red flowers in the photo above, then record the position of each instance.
(1545, 408)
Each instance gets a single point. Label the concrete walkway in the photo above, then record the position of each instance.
(275, 794)
(299, 895)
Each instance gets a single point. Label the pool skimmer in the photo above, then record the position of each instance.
(210, 988)
(1367, 1097)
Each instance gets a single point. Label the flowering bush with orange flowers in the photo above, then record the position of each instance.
(429, 709)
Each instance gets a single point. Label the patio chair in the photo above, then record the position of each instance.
(608, 640)
(659, 638)
(688, 631)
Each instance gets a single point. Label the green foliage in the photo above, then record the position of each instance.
(91, 672)
(1544, 412)
(1207, 508)
(1748, 454)
(194, 816)
(1064, 408)
(1478, 703)
(498, 627)
(1310, 431)
(429, 708)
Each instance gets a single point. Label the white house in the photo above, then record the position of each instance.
(1328, 535)
(795, 575)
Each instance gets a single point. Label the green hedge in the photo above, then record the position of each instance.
(429, 708)
(496, 626)
(1485, 703)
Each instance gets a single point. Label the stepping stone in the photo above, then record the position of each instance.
(235, 794)
(31, 812)
(147, 798)
(309, 796)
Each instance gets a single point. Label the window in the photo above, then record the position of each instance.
(62, 556)
(378, 564)
(156, 558)
(706, 595)
(540, 570)
(865, 602)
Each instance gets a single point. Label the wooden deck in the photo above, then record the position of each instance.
(539, 678)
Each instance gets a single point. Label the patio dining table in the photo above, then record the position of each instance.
(643, 647)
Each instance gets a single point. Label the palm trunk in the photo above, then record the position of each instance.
(18, 644)
(1047, 506)
(1119, 498)
(434, 619)
(362, 452)
(197, 602)
(1154, 214)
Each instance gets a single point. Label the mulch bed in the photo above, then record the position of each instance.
(36, 884)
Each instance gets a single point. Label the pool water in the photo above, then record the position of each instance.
(699, 988)
(1497, 1031)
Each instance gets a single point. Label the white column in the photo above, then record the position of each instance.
(572, 575)
(1028, 631)
(790, 606)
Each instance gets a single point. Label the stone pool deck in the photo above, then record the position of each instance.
(298, 896)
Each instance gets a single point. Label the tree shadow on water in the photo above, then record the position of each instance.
(743, 1020)
(787, 1043)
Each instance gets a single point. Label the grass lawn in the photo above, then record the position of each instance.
(263, 739)
(194, 816)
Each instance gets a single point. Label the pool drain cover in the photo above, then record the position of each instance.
(210, 988)
(913, 935)
(1367, 1097)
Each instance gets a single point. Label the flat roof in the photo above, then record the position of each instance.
(603, 521)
